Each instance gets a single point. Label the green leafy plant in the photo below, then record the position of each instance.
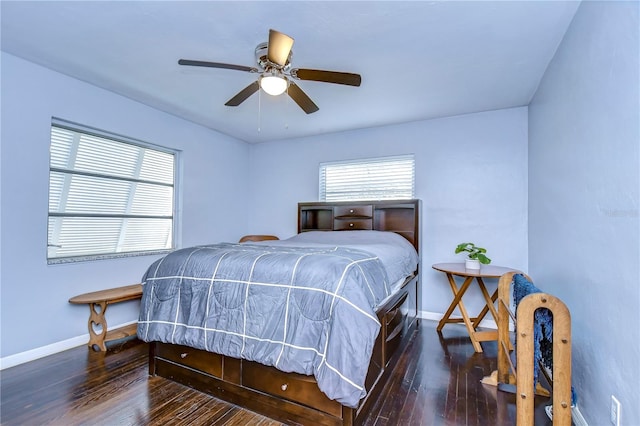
(474, 252)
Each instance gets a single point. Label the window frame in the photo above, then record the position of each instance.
(117, 138)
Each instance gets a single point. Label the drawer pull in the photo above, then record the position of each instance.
(351, 225)
(350, 210)
(284, 387)
(184, 355)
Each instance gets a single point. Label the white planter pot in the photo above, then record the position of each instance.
(472, 264)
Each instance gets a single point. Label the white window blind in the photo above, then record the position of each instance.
(368, 179)
(107, 196)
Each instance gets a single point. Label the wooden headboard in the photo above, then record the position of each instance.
(399, 216)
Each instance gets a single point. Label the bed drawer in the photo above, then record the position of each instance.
(208, 362)
(353, 224)
(294, 387)
(353, 211)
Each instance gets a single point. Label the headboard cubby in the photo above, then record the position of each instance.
(399, 216)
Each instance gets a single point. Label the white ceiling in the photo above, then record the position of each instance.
(418, 60)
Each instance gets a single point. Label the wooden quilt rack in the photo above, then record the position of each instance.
(507, 375)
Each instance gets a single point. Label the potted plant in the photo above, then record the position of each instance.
(476, 255)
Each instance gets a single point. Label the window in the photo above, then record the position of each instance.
(108, 196)
(368, 179)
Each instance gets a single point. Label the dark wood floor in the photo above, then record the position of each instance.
(437, 382)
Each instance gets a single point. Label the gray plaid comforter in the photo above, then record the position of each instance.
(299, 309)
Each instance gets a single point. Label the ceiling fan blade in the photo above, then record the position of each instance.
(244, 94)
(279, 47)
(347, 78)
(216, 65)
(301, 98)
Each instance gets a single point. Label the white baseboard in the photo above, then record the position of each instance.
(33, 354)
(576, 417)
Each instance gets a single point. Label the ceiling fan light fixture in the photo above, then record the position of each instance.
(273, 85)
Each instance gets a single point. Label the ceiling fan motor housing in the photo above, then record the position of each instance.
(264, 64)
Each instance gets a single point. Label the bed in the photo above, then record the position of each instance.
(304, 330)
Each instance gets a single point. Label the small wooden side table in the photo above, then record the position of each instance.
(485, 271)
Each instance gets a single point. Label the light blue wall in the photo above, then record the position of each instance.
(584, 161)
(471, 175)
(34, 295)
(562, 206)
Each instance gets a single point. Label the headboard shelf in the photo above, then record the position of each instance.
(315, 218)
(399, 216)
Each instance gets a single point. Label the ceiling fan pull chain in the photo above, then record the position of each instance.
(288, 102)
(259, 109)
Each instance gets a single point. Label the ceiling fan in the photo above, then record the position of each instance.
(276, 75)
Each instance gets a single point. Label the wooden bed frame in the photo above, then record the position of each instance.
(294, 398)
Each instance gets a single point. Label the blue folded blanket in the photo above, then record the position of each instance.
(542, 325)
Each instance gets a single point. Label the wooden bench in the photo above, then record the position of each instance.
(98, 302)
